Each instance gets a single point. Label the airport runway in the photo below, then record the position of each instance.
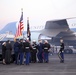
(54, 67)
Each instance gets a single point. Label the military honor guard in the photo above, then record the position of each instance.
(33, 52)
(46, 47)
(27, 48)
(61, 51)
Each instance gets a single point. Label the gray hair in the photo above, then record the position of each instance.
(3, 43)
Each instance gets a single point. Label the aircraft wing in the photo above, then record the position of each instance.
(53, 28)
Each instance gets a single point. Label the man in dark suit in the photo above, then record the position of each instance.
(40, 51)
(16, 51)
(8, 52)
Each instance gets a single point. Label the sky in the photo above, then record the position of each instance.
(38, 11)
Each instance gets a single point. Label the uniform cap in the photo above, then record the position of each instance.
(34, 40)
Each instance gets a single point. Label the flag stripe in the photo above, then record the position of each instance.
(20, 27)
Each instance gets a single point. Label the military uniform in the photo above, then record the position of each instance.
(33, 52)
(61, 52)
(27, 52)
(46, 47)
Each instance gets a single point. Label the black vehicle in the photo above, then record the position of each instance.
(12, 55)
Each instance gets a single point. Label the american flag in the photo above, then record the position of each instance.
(20, 27)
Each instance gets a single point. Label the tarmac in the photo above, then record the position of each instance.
(54, 67)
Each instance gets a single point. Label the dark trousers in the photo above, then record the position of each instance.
(33, 57)
(7, 56)
(21, 57)
(62, 57)
(3, 54)
(16, 57)
(46, 56)
(27, 58)
(40, 57)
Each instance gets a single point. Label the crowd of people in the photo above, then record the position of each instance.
(26, 53)
(25, 50)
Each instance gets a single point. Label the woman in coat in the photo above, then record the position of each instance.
(3, 51)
